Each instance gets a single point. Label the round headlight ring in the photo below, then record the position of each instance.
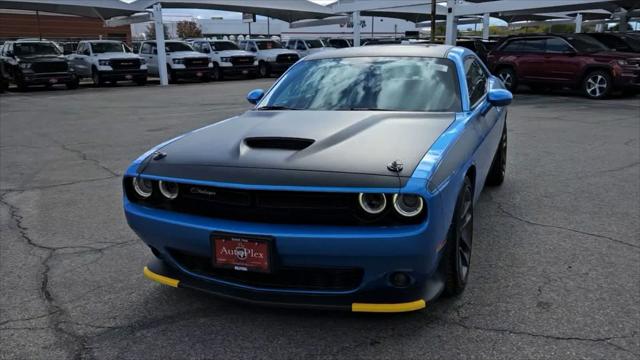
(168, 189)
(142, 187)
(365, 201)
(408, 210)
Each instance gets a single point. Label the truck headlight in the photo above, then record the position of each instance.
(143, 61)
(25, 65)
(178, 61)
(270, 59)
(104, 62)
(225, 59)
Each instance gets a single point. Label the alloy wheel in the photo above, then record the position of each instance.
(465, 233)
(506, 78)
(596, 85)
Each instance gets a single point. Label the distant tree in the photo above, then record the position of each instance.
(188, 29)
(151, 31)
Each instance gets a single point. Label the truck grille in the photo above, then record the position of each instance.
(287, 58)
(125, 64)
(196, 63)
(283, 277)
(242, 60)
(50, 67)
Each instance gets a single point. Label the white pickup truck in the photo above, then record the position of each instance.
(306, 47)
(182, 61)
(227, 58)
(271, 56)
(107, 60)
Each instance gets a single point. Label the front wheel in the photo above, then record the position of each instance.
(141, 81)
(509, 79)
(171, 77)
(457, 257)
(73, 84)
(97, 79)
(263, 69)
(216, 74)
(597, 85)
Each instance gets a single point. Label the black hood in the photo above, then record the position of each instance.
(304, 148)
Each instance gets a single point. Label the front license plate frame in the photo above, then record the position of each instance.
(252, 247)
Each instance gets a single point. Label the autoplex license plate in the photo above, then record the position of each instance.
(128, 77)
(198, 74)
(241, 253)
(53, 80)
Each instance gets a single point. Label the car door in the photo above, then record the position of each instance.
(561, 63)
(84, 60)
(146, 51)
(531, 61)
(485, 118)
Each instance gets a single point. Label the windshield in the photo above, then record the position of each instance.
(35, 49)
(266, 45)
(177, 46)
(368, 83)
(314, 44)
(586, 43)
(104, 47)
(224, 45)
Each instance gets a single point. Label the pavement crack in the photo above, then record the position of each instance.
(9, 321)
(52, 186)
(533, 223)
(86, 157)
(620, 168)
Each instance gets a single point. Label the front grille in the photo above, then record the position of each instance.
(196, 62)
(125, 64)
(287, 58)
(279, 207)
(305, 278)
(242, 60)
(50, 67)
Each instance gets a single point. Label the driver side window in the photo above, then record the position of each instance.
(476, 80)
(300, 46)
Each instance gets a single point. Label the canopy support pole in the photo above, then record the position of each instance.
(579, 23)
(356, 28)
(162, 55)
(452, 24)
(486, 22)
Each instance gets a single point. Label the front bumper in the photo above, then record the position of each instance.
(627, 77)
(47, 78)
(123, 75)
(239, 70)
(378, 251)
(279, 67)
(192, 73)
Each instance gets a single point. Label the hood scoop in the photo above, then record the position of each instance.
(278, 143)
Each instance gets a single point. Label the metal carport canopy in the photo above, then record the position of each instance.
(102, 9)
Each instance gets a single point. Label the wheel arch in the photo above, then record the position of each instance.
(591, 68)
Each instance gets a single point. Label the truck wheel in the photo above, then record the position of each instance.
(97, 79)
(171, 76)
(508, 77)
(22, 86)
(457, 256)
(73, 84)
(141, 81)
(216, 74)
(263, 69)
(597, 84)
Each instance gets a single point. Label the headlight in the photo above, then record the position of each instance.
(168, 189)
(408, 205)
(178, 61)
(142, 187)
(270, 59)
(104, 62)
(225, 59)
(372, 203)
(143, 61)
(25, 65)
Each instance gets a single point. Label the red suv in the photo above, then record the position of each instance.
(572, 60)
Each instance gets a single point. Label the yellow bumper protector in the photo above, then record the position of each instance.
(389, 308)
(159, 278)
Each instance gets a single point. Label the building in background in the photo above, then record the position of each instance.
(20, 24)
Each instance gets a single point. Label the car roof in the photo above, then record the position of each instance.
(102, 41)
(435, 51)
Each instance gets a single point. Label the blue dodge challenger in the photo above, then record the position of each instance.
(350, 185)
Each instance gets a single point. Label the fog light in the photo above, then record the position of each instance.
(142, 187)
(400, 279)
(372, 203)
(168, 189)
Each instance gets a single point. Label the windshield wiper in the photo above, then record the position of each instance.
(275, 107)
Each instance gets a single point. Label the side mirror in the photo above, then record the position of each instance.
(255, 95)
(499, 97)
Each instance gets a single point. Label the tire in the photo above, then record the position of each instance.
(499, 165)
(457, 258)
(97, 79)
(171, 76)
(205, 78)
(597, 85)
(73, 84)
(22, 86)
(263, 70)
(216, 74)
(141, 81)
(509, 78)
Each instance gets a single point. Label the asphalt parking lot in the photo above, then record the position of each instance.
(556, 262)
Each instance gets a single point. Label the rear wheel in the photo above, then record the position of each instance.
(457, 257)
(499, 166)
(509, 79)
(597, 84)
